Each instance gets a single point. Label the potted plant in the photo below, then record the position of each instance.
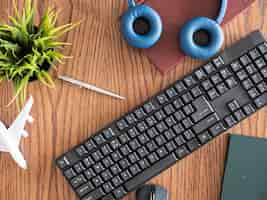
(28, 50)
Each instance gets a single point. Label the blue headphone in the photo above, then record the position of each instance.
(141, 27)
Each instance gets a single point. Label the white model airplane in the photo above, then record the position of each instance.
(10, 138)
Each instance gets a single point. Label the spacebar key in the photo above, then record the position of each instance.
(149, 173)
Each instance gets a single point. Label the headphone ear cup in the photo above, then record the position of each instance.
(190, 46)
(153, 20)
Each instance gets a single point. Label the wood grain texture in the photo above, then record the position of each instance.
(67, 115)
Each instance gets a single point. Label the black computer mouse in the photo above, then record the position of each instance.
(151, 192)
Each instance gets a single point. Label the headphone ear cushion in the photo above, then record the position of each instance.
(191, 48)
(155, 26)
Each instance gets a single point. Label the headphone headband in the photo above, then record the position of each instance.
(131, 3)
(222, 11)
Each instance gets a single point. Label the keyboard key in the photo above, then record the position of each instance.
(193, 144)
(239, 115)
(247, 84)
(149, 107)
(98, 168)
(190, 81)
(85, 189)
(160, 115)
(218, 62)
(205, 123)
(134, 169)
(119, 192)
(106, 175)
(90, 145)
(97, 155)
(180, 140)
(99, 139)
(162, 152)
(225, 73)
(261, 100)
(189, 134)
(178, 103)
(179, 115)
(236, 66)
(230, 121)
(187, 98)
(263, 48)
(233, 105)
(249, 109)
(231, 82)
(188, 109)
(143, 164)
(151, 146)
(171, 93)
(254, 54)
(162, 99)
(242, 75)
(251, 69)
(213, 94)
(178, 129)
(108, 133)
(69, 173)
(256, 78)
(170, 146)
(200, 74)
(133, 132)
(96, 194)
(222, 88)
(131, 119)
(204, 137)
(89, 174)
(180, 87)
(124, 138)
(67, 160)
(262, 87)
(169, 109)
(122, 124)
(107, 162)
(81, 151)
(107, 187)
(260, 63)
(77, 181)
(79, 168)
(140, 114)
(115, 169)
(97, 181)
(217, 129)
(253, 93)
(216, 79)
(124, 163)
(126, 175)
(207, 85)
(245, 60)
(209, 68)
(203, 109)
(181, 152)
(196, 91)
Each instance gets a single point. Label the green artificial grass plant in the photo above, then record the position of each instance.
(28, 49)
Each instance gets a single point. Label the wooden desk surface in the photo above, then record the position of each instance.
(67, 115)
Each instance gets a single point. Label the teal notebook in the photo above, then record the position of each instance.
(245, 175)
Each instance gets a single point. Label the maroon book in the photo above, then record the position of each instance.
(166, 54)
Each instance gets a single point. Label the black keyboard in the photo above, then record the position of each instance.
(171, 125)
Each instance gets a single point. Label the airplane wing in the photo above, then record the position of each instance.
(16, 130)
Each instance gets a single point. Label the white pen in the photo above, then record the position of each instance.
(90, 87)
